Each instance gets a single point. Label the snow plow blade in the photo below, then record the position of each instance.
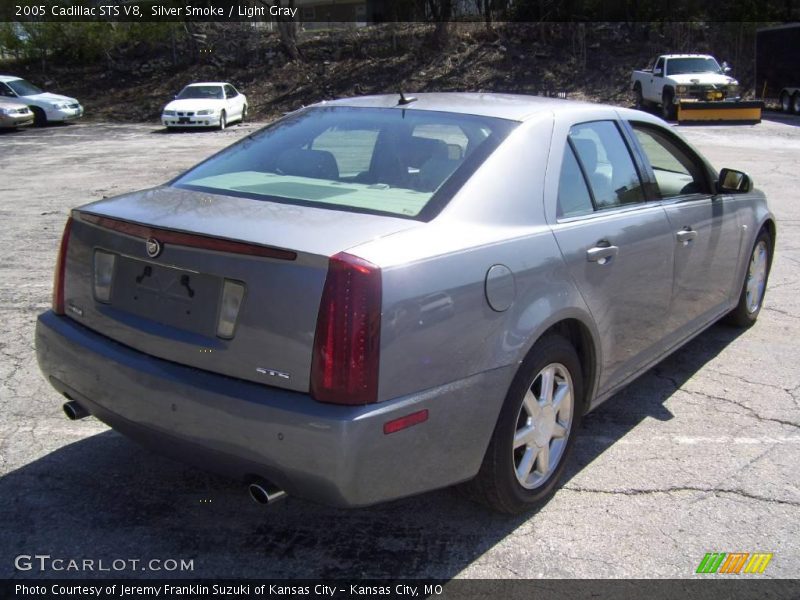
(730, 112)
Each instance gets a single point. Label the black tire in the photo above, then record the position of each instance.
(39, 116)
(786, 102)
(638, 97)
(223, 121)
(748, 308)
(796, 103)
(498, 484)
(244, 113)
(667, 107)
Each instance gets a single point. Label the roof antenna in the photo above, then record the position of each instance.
(406, 99)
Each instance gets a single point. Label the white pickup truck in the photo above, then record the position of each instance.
(675, 78)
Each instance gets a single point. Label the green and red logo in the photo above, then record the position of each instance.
(734, 563)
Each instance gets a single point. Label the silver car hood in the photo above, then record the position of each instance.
(306, 229)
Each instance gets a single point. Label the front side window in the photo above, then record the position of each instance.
(23, 88)
(607, 163)
(207, 92)
(392, 161)
(230, 92)
(6, 91)
(677, 172)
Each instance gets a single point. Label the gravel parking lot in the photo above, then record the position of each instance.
(699, 455)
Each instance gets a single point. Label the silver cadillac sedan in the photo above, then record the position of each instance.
(375, 297)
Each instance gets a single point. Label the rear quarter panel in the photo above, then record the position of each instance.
(437, 324)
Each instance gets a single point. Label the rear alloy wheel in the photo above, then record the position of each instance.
(244, 113)
(786, 102)
(223, 120)
(796, 103)
(751, 298)
(535, 430)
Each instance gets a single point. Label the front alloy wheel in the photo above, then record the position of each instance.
(543, 426)
(751, 298)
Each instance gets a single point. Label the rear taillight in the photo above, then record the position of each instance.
(61, 264)
(344, 369)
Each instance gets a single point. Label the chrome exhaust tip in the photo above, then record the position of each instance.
(264, 492)
(74, 411)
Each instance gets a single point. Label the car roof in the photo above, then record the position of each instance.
(9, 78)
(513, 107)
(687, 56)
(208, 83)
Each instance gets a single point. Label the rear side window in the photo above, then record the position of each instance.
(381, 160)
(607, 163)
(573, 195)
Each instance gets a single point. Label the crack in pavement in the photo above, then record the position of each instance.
(683, 488)
(749, 409)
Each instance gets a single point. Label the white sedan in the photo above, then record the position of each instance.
(46, 107)
(211, 104)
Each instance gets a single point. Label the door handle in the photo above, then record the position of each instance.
(601, 254)
(686, 235)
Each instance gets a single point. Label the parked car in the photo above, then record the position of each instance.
(251, 315)
(46, 107)
(14, 114)
(210, 104)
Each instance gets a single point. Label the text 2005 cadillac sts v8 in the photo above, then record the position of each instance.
(379, 296)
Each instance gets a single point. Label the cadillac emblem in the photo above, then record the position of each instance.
(153, 247)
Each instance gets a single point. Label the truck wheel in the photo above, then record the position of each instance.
(639, 98)
(796, 103)
(786, 102)
(667, 107)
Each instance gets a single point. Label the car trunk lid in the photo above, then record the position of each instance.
(168, 301)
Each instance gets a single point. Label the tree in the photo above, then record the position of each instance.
(287, 27)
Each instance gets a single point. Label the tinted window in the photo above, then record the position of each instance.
(677, 173)
(659, 64)
(6, 91)
(573, 195)
(23, 88)
(683, 66)
(213, 92)
(607, 163)
(370, 159)
(230, 92)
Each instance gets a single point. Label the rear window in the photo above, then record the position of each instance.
(379, 160)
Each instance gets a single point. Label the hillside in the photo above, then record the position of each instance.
(587, 61)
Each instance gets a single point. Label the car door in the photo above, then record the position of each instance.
(655, 85)
(706, 234)
(617, 246)
(234, 101)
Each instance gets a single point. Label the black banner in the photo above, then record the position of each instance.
(377, 11)
(712, 588)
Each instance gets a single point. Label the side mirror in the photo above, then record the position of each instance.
(726, 68)
(734, 182)
(657, 72)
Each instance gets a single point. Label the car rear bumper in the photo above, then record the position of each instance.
(332, 454)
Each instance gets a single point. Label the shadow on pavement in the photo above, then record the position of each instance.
(106, 498)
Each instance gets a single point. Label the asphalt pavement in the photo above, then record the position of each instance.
(698, 455)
